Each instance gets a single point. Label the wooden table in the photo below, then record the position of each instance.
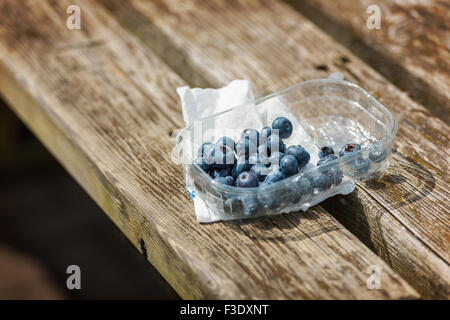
(102, 99)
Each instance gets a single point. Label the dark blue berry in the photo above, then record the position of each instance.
(326, 159)
(301, 187)
(230, 180)
(267, 199)
(251, 206)
(378, 154)
(349, 148)
(222, 180)
(257, 158)
(284, 127)
(223, 157)
(201, 162)
(220, 172)
(246, 147)
(335, 175)
(254, 159)
(247, 180)
(322, 181)
(275, 144)
(260, 171)
(300, 154)
(206, 150)
(325, 151)
(274, 175)
(263, 151)
(234, 173)
(361, 166)
(289, 165)
(226, 141)
(241, 165)
(265, 133)
(252, 134)
(275, 158)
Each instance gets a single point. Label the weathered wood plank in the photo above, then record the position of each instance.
(248, 39)
(104, 105)
(411, 49)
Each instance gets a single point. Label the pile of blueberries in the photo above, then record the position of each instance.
(260, 159)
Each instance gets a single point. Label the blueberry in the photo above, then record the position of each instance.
(289, 165)
(349, 148)
(325, 151)
(267, 199)
(284, 127)
(300, 154)
(275, 158)
(241, 165)
(223, 157)
(257, 158)
(264, 154)
(322, 181)
(226, 141)
(265, 133)
(378, 154)
(233, 205)
(332, 176)
(246, 147)
(274, 175)
(275, 144)
(326, 159)
(201, 162)
(206, 150)
(220, 179)
(251, 206)
(234, 173)
(254, 159)
(252, 134)
(361, 166)
(230, 180)
(220, 172)
(262, 149)
(335, 175)
(260, 171)
(247, 180)
(301, 186)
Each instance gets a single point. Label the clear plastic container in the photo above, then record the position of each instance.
(328, 112)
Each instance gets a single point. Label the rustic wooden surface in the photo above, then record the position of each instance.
(105, 106)
(411, 49)
(404, 216)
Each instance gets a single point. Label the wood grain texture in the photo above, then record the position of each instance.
(222, 41)
(105, 106)
(411, 49)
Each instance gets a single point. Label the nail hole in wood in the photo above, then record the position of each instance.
(345, 60)
(322, 67)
